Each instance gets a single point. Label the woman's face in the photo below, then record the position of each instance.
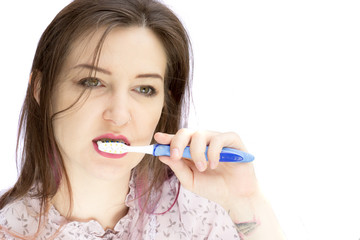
(125, 101)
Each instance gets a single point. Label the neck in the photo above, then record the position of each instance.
(94, 199)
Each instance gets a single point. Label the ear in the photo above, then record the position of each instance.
(35, 79)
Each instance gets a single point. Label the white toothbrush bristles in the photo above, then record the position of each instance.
(112, 147)
(116, 147)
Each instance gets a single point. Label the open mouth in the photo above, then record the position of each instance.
(105, 145)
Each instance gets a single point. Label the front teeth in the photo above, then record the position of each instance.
(108, 140)
(114, 147)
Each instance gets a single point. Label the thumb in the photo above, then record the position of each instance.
(182, 169)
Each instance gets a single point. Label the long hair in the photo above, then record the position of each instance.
(40, 161)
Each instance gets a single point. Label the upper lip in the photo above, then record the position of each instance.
(112, 136)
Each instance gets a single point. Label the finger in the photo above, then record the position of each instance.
(181, 169)
(178, 143)
(215, 146)
(198, 145)
(163, 138)
(232, 140)
(219, 141)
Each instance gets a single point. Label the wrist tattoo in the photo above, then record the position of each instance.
(246, 228)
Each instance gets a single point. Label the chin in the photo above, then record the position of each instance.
(112, 169)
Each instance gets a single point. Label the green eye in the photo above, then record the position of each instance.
(90, 82)
(146, 90)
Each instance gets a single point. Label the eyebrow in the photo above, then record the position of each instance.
(102, 70)
(150, 75)
(93, 68)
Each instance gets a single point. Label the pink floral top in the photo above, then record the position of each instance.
(189, 217)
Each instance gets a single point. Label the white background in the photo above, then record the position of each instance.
(282, 74)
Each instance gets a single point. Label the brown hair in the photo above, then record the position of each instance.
(40, 161)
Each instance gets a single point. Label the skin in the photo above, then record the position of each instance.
(233, 185)
(228, 180)
(119, 103)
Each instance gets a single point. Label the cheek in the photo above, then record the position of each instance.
(147, 118)
(70, 131)
(72, 128)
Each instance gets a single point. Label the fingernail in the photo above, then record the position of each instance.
(175, 153)
(200, 166)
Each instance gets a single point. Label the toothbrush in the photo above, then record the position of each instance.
(226, 155)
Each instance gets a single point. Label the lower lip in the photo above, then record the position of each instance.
(107, 155)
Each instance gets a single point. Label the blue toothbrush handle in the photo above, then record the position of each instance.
(226, 155)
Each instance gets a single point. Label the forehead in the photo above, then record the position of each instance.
(129, 49)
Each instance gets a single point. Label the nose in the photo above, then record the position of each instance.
(117, 110)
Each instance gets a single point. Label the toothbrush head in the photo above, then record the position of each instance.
(113, 147)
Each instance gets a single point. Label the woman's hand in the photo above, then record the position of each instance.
(224, 183)
(232, 185)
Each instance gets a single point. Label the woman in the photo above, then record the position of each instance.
(119, 70)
